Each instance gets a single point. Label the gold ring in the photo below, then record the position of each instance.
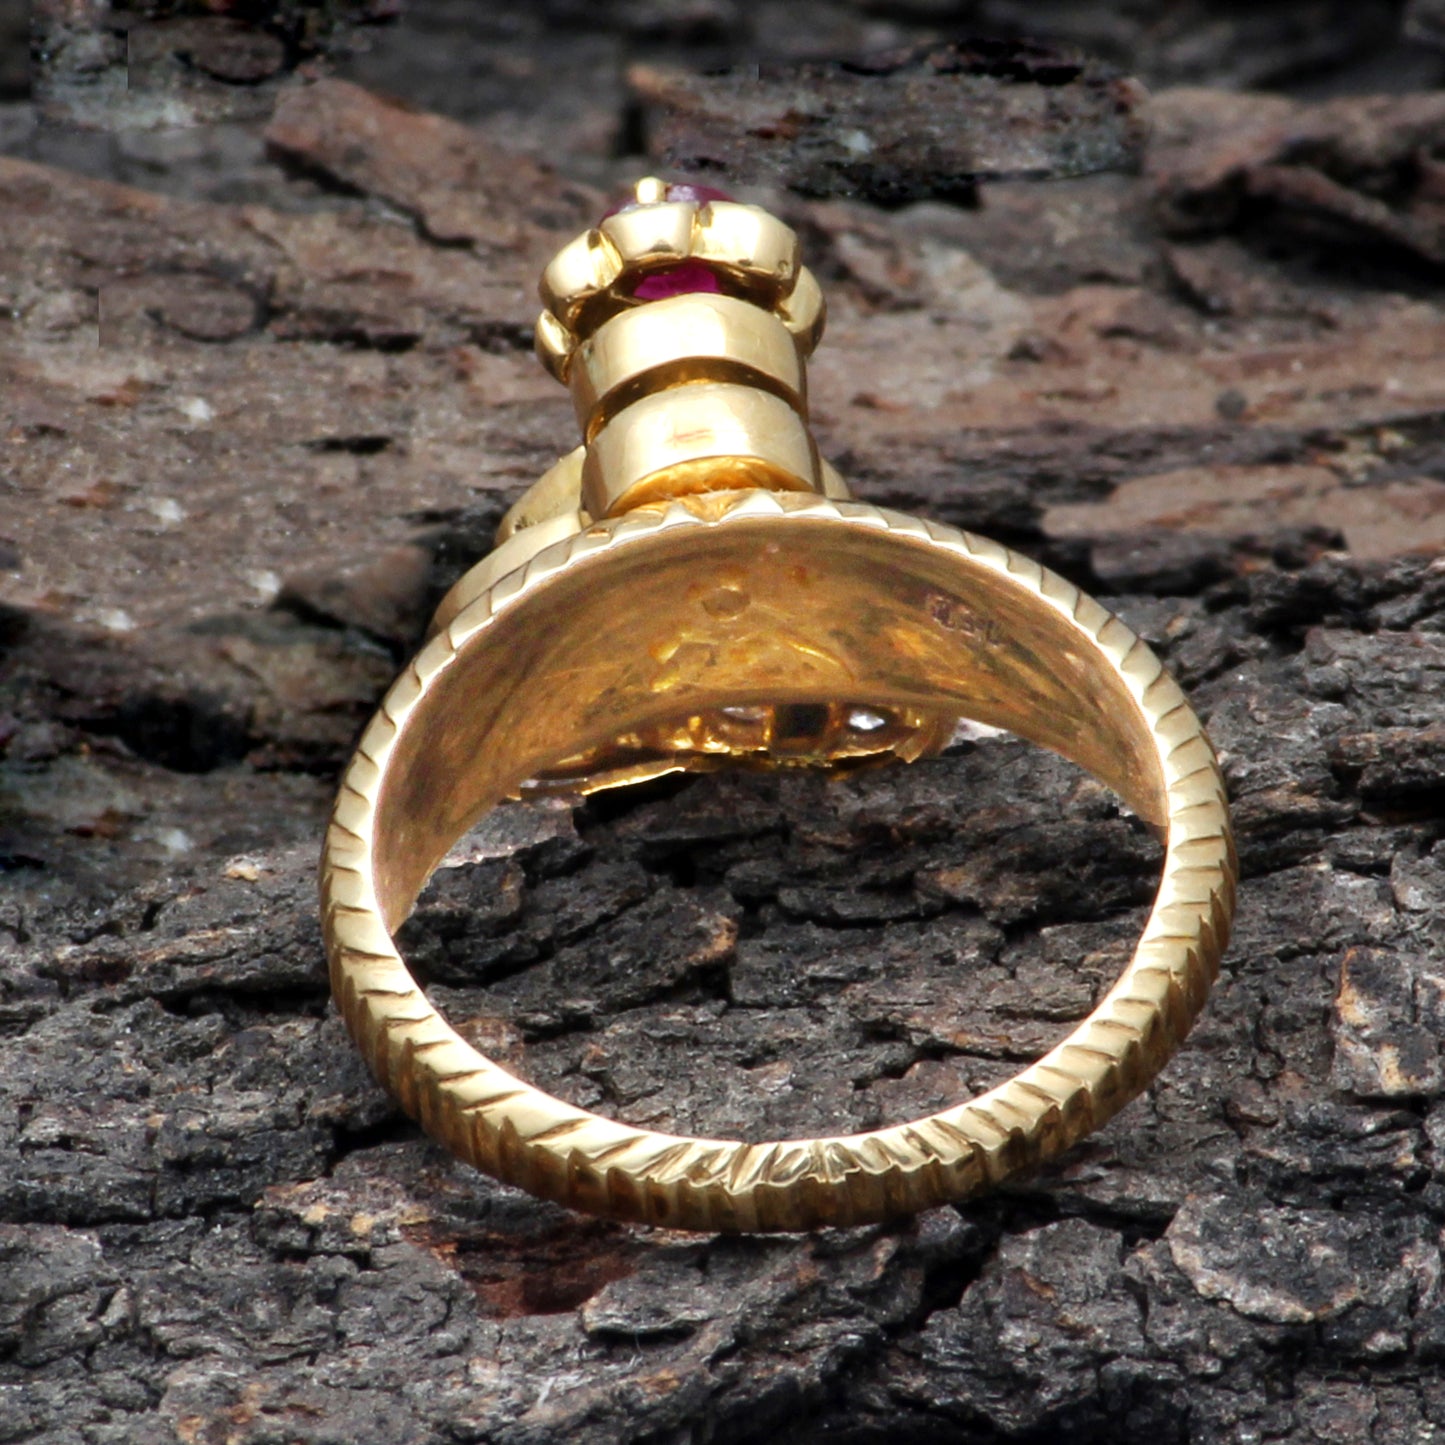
(693, 587)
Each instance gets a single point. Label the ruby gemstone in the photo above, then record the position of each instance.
(684, 279)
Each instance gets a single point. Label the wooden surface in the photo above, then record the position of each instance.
(259, 406)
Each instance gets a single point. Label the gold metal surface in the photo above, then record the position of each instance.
(803, 311)
(891, 610)
(556, 493)
(680, 340)
(735, 608)
(711, 436)
(578, 273)
(746, 239)
(551, 511)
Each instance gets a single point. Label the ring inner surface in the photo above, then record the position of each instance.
(751, 613)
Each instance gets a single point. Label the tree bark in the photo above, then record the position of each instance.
(258, 415)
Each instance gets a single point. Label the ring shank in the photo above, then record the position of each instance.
(744, 600)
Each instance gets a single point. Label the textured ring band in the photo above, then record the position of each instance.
(647, 630)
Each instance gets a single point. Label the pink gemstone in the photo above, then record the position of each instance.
(683, 279)
(692, 191)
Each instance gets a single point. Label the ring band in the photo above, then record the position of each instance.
(757, 623)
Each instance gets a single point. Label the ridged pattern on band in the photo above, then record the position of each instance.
(521, 1135)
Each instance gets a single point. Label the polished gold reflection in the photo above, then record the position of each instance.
(746, 615)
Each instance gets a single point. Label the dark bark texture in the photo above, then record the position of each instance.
(265, 389)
